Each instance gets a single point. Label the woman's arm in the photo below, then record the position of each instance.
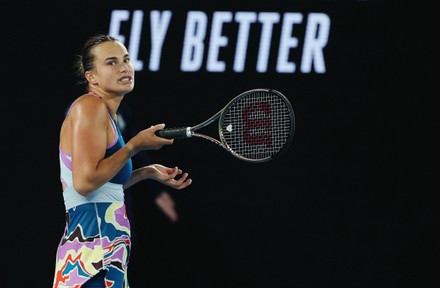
(89, 124)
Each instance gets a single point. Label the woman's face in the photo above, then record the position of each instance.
(113, 71)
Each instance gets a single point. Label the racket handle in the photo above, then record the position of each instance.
(175, 133)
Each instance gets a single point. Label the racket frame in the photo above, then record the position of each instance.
(222, 113)
(187, 132)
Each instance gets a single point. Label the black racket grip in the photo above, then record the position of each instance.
(174, 133)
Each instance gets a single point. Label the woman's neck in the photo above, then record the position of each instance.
(110, 100)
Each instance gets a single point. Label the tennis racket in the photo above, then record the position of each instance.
(256, 126)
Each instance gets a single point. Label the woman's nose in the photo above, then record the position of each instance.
(124, 66)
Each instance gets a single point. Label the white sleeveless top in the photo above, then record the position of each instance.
(109, 192)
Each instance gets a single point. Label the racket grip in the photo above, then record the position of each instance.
(175, 133)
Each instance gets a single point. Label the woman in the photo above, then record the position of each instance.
(96, 167)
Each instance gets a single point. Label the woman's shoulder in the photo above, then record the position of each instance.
(89, 103)
(89, 98)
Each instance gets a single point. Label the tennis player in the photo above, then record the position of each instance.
(96, 167)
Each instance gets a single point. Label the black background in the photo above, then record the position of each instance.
(346, 206)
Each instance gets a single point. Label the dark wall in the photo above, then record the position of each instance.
(331, 211)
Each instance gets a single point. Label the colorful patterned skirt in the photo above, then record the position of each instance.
(96, 238)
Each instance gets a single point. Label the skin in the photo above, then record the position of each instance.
(87, 131)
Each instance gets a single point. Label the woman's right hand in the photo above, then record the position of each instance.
(148, 140)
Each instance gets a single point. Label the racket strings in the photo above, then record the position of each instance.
(257, 126)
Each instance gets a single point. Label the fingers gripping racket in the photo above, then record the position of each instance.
(256, 126)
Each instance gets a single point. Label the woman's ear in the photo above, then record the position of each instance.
(91, 78)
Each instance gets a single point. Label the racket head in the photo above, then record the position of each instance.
(257, 125)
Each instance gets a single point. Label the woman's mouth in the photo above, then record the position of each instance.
(126, 79)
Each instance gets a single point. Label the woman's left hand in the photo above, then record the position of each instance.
(167, 176)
